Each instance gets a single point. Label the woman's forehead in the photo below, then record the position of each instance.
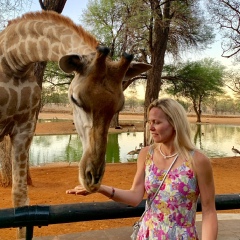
(156, 112)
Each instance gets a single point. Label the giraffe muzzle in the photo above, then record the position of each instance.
(91, 176)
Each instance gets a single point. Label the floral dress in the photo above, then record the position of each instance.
(173, 211)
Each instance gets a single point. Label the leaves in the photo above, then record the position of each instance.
(196, 81)
(12, 8)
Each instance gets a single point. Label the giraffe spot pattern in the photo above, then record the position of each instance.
(4, 96)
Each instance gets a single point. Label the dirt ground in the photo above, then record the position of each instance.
(51, 181)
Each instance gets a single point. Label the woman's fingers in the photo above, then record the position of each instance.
(78, 190)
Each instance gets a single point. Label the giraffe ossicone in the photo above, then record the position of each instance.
(95, 92)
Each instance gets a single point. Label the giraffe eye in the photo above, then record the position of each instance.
(76, 102)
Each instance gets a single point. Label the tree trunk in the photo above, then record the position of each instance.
(198, 117)
(115, 120)
(6, 163)
(198, 112)
(158, 49)
(56, 5)
(39, 69)
(197, 135)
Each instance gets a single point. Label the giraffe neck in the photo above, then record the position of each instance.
(19, 101)
(41, 37)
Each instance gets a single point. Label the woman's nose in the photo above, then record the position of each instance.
(151, 126)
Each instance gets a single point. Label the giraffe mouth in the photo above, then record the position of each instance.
(91, 177)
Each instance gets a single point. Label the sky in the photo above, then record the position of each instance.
(73, 9)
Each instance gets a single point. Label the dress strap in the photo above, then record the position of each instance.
(151, 149)
(149, 155)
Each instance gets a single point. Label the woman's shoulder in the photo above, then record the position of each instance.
(199, 155)
(148, 149)
(201, 161)
(145, 150)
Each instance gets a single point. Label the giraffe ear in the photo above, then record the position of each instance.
(70, 62)
(135, 69)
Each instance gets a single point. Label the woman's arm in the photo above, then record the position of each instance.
(204, 172)
(132, 196)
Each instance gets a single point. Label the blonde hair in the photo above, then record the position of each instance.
(177, 117)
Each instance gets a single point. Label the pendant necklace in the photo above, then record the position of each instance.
(166, 156)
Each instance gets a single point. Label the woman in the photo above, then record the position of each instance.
(173, 211)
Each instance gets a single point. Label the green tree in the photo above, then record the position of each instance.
(131, 102)
(196, 81)
(225, 105)
(212, 103)
(55, 85)
(149, 29)
(174, 27)
(117, 24)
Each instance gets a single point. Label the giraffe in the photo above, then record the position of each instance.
(95, 92)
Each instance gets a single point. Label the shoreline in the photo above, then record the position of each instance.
(62, 123)
(227, 119)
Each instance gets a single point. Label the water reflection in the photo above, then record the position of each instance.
(113, 149)
(214, 140)
(55, 148)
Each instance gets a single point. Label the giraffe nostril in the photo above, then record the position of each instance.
(96, 180)
(89, 177)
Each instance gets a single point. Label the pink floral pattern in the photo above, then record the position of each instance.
(173, 212)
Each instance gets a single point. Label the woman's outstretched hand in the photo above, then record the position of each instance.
(78, 190)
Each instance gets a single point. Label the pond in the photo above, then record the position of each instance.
(215, 140)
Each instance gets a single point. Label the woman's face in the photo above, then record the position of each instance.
(161, 130)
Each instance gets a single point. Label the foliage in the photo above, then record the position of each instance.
(148, 29)
(128, 25)
(226, 14)
(188, 28)
(114, 24)
(131, 102)
(11, 9)
(185, 104)
(55, 85)
(233, 81)
(56, 77)
(50, 95)
(192, 79)
(224, 105)
(196, 81)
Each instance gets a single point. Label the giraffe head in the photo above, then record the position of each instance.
(96, 95)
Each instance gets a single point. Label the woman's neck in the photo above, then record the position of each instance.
(167, 151)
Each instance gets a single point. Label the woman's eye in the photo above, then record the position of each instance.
(153, 122)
